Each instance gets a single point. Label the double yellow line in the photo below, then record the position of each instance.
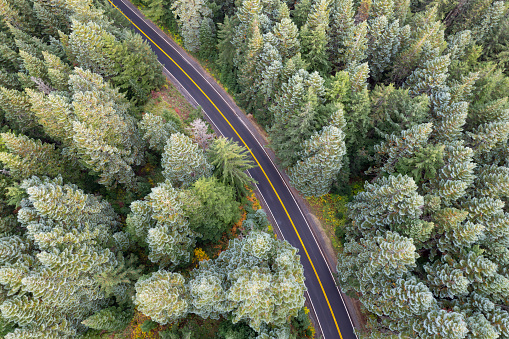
(266, 176)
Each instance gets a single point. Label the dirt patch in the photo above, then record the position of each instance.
(258, 128)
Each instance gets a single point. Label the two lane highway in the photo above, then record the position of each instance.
(327, 302)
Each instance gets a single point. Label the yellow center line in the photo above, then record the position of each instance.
(266, 176)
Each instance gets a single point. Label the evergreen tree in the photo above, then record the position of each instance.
(183, 161)
(425, 42)
(16, 108)
(156, 131)
(218, 211)
(208, 49)
(190, 15)
(231, 161)
(162, 296)
(286, 34)
(108, 319)
(341, 24)
(137, 69)
(258, 279)
(294, 114)
(322, 155)
(105, 136)
(159, 222)
(28, 157)
(314, 37)
(90, 46)
(71, 232)
(384, 41)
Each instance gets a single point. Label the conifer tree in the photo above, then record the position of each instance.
(341, 24)
(28, 157)
(426, 41)
(322, 155)
(190, 15)
(156, 131)
(137, 70)
(294, 113)
(105, 136)
(314, 36)
(218, 210)
(90, 45)
(162, 296)
(208, 49)
(159, 222)
(384, 41)
(71, 232)
(183, 161)
(16, 106)
(286, 34)
(58, 71)
(231, 161)
(269, 268)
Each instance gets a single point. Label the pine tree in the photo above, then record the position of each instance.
(247, 77)
(301, 12)
(162, 296)
(190, 15)
(70, 231)
(314, 36)
(137, 69)
(108, 319)
(183, 161)
(268, 269)
(426, 41)
(218, 210)
(159, 222)
(156, 131)
(16, 106)
(384, 41)
(54, 113)
(322, 155)
(341, 24)
(208, 50)
(231, 161)
(58, 71)
(294, 113)
(430, 78)
(90, 45)
(28, 157)
(286, 33)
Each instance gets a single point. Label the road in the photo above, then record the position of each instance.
(327, 302)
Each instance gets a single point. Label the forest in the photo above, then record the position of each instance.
(122, 215)
(113, 212)
(407, 98)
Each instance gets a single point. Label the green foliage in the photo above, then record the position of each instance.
(183, 161)
(231, 161)
(218, 210)
(423, 165)
(190, 15)
(156, 131)
(258, 279)
(109, 319)
(159, 222)
(161, 296)
(148, 326)
(138, 71)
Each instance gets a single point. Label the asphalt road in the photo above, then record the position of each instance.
(327, 302)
